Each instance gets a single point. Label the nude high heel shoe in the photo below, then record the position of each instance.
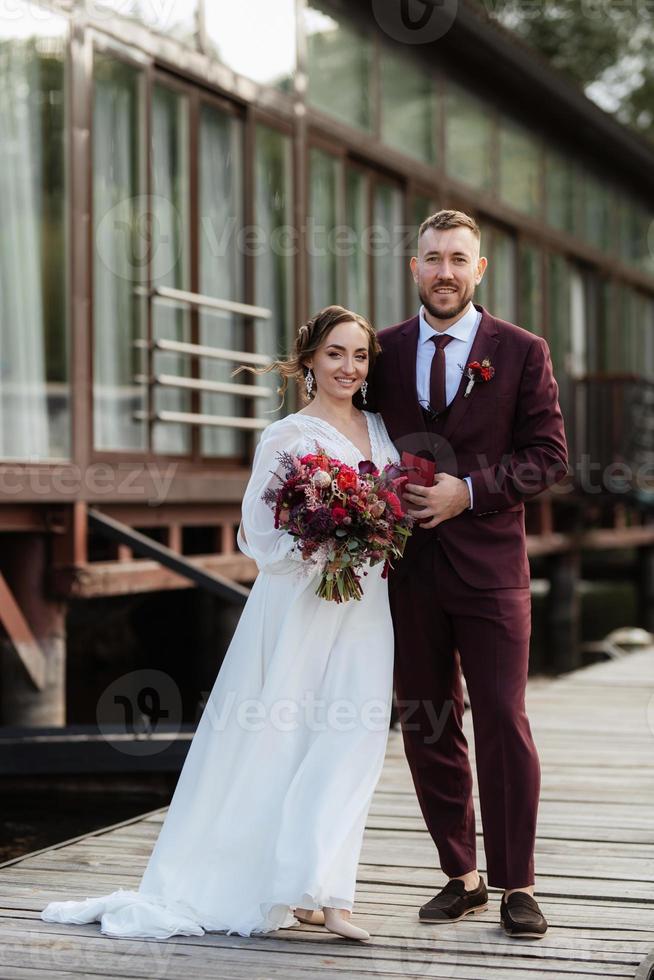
(336, 923)
(314, 917)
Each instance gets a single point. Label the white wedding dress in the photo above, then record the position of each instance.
(270, 807)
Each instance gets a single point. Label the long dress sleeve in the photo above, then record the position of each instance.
(257, 536)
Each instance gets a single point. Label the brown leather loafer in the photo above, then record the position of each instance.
(454, 901)
(521, 916)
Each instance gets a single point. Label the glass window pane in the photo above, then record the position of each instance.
(221, 268)
(256, 39)
(647, 360)
(630, 338)
(597, 211)
(357, 287)
(388, 258)
(502, 269)
(273, 273)
(605, 311)
(120, 256)
(339, 59)
(176, 17)
(170, 258)
(468, 138)
(520, 184)
(560, 191)
(321, 220)
(628, 227)
(559, 311)
(483, 295)
(34, 373)
(646, 240)
(531, 289)
(635, 233)
(407, 107)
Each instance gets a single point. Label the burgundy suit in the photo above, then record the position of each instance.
(460, 596)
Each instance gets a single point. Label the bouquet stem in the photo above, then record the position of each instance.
(339, 585)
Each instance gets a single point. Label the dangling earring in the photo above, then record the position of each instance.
(364, 390)
(308, 380)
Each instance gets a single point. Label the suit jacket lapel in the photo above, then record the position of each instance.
(484, 344)
(408, 356)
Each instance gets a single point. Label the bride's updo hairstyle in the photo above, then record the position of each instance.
(310, 337)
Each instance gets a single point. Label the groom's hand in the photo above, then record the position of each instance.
(448, 497)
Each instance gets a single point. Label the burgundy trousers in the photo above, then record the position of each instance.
(443, 626)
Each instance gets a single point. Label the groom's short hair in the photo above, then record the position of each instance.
(443, 220)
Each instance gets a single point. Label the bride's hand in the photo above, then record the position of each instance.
(448, 497)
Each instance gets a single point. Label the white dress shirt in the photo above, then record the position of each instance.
(457, 355)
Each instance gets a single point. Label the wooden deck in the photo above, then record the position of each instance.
(594, 860)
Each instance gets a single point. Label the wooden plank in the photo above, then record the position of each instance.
(109, 578)
(594, 860)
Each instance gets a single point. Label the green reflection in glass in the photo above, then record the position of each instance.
(407, 107)
(120, 255)
(321, 220)
(468, 138)
(339, 59)
(520, 182)
(34, 339)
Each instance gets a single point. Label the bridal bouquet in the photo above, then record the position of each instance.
(341, 517)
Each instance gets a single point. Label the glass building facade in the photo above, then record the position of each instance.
(281, 159)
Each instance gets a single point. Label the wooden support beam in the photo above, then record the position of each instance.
(646, 588)
(20, 634)
(227, 539)
(123, 553)
(175, 538)
(111, 578)
(564, 611)
(24, 560)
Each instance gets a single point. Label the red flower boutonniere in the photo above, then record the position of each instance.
(478, 372)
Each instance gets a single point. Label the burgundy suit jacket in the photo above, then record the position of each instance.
(508, 436)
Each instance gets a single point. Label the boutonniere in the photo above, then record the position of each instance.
(478, 372)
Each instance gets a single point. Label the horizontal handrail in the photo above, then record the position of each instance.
(147, 547)
(191, 418)
(201, 350)
(197, 384)
(211, 302)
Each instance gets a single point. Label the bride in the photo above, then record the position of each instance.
(266, 823)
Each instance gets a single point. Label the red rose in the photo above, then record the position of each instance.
(394, 503)
(339, 514)
(347, 480)
(316, 460)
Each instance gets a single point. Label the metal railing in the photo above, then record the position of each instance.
(612, 422)
(165, 380)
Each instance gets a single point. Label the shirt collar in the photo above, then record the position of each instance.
(461, 330)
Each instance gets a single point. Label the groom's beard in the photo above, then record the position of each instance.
(446, 314)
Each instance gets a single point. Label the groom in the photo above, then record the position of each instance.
(475, 394)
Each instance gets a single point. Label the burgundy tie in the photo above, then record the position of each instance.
(437, 393)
